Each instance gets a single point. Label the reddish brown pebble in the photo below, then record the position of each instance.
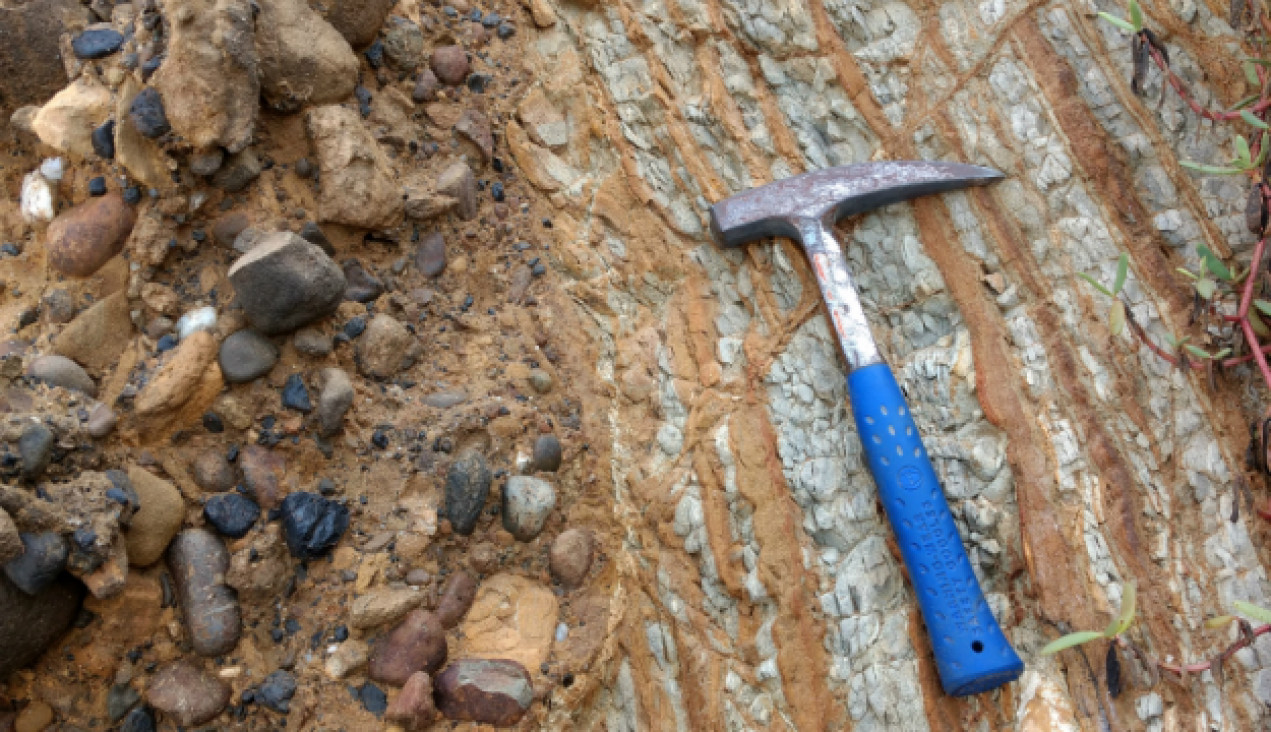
(81, 240)
(413, 709)
(263, 473)
(425, 87)
(460, 590)
(571, 556)
(199, 560)
(489, 691)
(450, 64)
(418, 643)
(183, 691)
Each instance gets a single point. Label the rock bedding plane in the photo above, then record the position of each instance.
(370, 365)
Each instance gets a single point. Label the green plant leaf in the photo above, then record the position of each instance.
(1199, 352)
(1214, 264)
(1122, 622)
(1070, 640)
(1249, 117)
(1136, 16)
(1222, 354)
(1123, 268)
(1116, 318)
(1205, 288)
(1218, 622)
(1118, 22)
(1095, 284)
(1263, 306)
(1210, 169)
(1246, 101)
(1251, 73)
(1253, 612)
(1187, 273)
(1243, 158)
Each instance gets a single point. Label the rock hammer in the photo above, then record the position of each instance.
(971, 652)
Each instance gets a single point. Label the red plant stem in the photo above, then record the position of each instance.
(1177, 83)
(1246, 298)
(1245, 641)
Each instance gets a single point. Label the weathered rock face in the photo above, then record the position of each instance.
(30, 68)
(209, 81)
(1057, 449)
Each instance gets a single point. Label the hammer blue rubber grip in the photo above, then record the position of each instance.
(971, 652)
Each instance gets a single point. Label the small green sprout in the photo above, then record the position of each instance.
(1119, 625)
(1117, 315)
(1132, 25)
(1243, 161)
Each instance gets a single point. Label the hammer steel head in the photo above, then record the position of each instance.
(833, 194)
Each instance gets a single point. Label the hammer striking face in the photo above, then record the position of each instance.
(971, 652)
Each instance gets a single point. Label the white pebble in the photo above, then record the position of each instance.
(53, 169)
(562, 632)
(203, 318)
(37, 198)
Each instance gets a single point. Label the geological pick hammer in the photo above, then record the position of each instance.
(971, 652)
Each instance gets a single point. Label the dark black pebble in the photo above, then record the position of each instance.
(467, 487)
(97, 186)
(147, 113)
(96, 43)
(539, 270)
(119, 700)
(341, 633)
(496, 190)
(355, 327)
(312, 524)
(121, 490)
(478, 82)
(506, 31)
(363, 100)
(35, 445)
(375, 54)
(167, 343)
(373, 698)
(313, 234)
(295, 395)
(360, 285)
(150, 66)
(213, 423)
(132, 195)
(380, 439)
(140, 719)
(233, 514)
(42, 560)
(277, 691)
(547, 453)
(326, 487)
(304, 169)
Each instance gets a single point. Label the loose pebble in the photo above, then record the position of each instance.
(101, 421)
(277, 690)
(348, 657)
(527, 504)
(295, 395)
(312, 524)
(97, 43)
(418, 643)
(456, 598)
(231, 514)
(381, 606)
(140, 719)
(570, 557)
(285, 282)
(430, 256)
(386, 348)
(245, 356)
(334, 400)
(198, 319)
(374, 700)
(147, 114)
(43, 558)
(35, 448)
(413, 709)
(540, 380)
(213, 472)
(61, 371)
(490, 691)
(198, 561)
(547, 453)
(467, 486)
(156, 521)
(311, 342)
(184, 691)
(450, 64)
(82, 239)
(35, 717)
